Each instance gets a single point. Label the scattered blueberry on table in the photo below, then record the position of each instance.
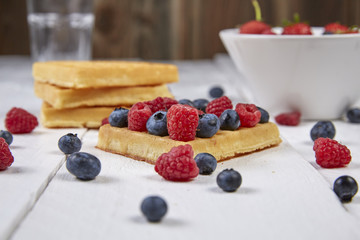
(324, 129)
(229, 180)
(157, 124)
(353, 115)
(345, 188)
(209, 125)
(206, 163)
(84, 166)
(154, 208)
(69, 143)
(7, 136)
(216, 92)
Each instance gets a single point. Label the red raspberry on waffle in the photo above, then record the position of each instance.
(138, 115)
(178, 164)
(331, 154)
(19, 120)
(288, 119)
(182, 121)
(249, 114)
(219, 105)
(160, 104)
(6, 158)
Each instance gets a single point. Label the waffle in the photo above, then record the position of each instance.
(60, 98)
(85, 117)
(223, 145)
(96, 74)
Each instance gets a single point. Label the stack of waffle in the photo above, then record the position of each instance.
(83, 93)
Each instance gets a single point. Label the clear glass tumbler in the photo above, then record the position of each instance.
(60, 29)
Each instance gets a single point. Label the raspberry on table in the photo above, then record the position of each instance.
(182, 121)
(178, 164)
(288, 119)
(138, 115)
(219, 105)
(6, 158)
(331, 154)
(19, 120)
(249, 114)
(160, 104)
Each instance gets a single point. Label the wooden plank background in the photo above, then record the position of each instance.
(172, 29)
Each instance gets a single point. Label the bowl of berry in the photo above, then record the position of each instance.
(311, 70)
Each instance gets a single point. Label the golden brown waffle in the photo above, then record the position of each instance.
(224, 145)
(96, 74)
(87, 117)
(60, 98)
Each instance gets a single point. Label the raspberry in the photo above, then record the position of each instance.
(331, 154)
(249, 114)
(6, 158)
(160, 104)
(138, 115)
(219, 105)
(105, 121)
(182, 121)
(178, 164)
(288, 119)
(19, 120)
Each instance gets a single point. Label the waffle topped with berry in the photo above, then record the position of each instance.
(149, 129)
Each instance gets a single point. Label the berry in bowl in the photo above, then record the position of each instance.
(312, 70)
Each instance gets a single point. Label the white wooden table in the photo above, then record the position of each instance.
(284, 194)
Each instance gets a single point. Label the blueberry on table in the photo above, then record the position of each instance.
(345, 188)
(69, 143)
(201, 104)
(353, 115)
(206, 163)
(84, 166)
(186, 102)
(324, 129)
(229, 120)
(157, 124)
(7, 136)
(154, 208)
(119, 117)
(208, 126)
(229, 180)
(264, 115)
(216, 92)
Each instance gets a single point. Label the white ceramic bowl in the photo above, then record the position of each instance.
(318, 75)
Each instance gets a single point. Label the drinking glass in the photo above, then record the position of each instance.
(60, 29)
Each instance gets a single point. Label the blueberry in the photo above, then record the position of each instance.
(345, 188)
(156, 124)
(83, 165)
(7, 136)
(154, 208)
(119, 117)
(264, 115)
(229, 120)
(229, 180)
(208, 126)
(69, 143)
(216, 92)
(325, 129)
(353, 115)
(201, 104)
(206, 163)
(186, 102)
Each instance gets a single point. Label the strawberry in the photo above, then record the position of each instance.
(296, 27)
(335, 28)
(256, 26)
